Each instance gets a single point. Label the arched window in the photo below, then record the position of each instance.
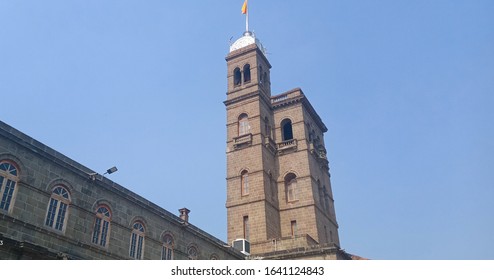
(265, 79)
(260, 75)
(244, 181)
(326, 200)
(293, 227)
(101, 226)
(8, 181)
(246, 227)
(291, 187)
(167, 250)
(272, 186)
(321, 194)
(286, 130)
(192, 252)
(137, 241)
(237, 77)
(56, 215)
(326, 234)
(247, 73)
(243, 124)
(267, 127)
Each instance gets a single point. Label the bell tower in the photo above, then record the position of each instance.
(279, 195)
(251, 198)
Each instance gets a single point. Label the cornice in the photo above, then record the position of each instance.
(283, 100)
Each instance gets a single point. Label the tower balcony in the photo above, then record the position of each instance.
(270, 144)
(287, 145)
(242, 141)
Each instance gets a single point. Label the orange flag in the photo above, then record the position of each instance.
(244, 7)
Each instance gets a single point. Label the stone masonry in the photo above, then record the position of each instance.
(289, 205)
(23, 229)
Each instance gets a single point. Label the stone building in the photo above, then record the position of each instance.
(52, 207)
(279, 195)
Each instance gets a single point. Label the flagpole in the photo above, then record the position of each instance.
(247, 20)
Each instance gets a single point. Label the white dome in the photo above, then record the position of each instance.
(249, 38)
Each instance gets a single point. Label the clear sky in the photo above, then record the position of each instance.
(406, 89)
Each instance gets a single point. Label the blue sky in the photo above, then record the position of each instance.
(406, 89)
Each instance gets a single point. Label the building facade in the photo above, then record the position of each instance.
(279, 195)
(52, 207)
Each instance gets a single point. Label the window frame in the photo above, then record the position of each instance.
(321, 195)
(9, 181)
(167, 247)
(261, 80)
(291, 187)
(267, 128)
(55, 208)
(246, 227)
(243, 124)
(326, 200)
(247, 74)
(237, 77)
(137, 240)
(244, 183)
(293, 228)
(192, 252)
(286, 130)
(103, 221)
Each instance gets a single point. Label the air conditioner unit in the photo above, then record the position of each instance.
(243, 245)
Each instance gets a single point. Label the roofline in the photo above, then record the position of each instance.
(43, 150)
(278, 101)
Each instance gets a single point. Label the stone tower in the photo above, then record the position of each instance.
(279, 195)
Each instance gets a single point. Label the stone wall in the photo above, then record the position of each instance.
(25, 234)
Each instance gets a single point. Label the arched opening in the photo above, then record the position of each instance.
(247, 73)
(237, 77)
(243, 124)
(244, 178)
(267, 127)
(291, 187)
(271, 185)
(246, 227)
(8, 180)
(293, 227)
(56, 216)
(286, 130)
(137, 241)
(326, 200)
(167, 249)
(321, 194)
(260, 75)
(102, 225)
(192, 252)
